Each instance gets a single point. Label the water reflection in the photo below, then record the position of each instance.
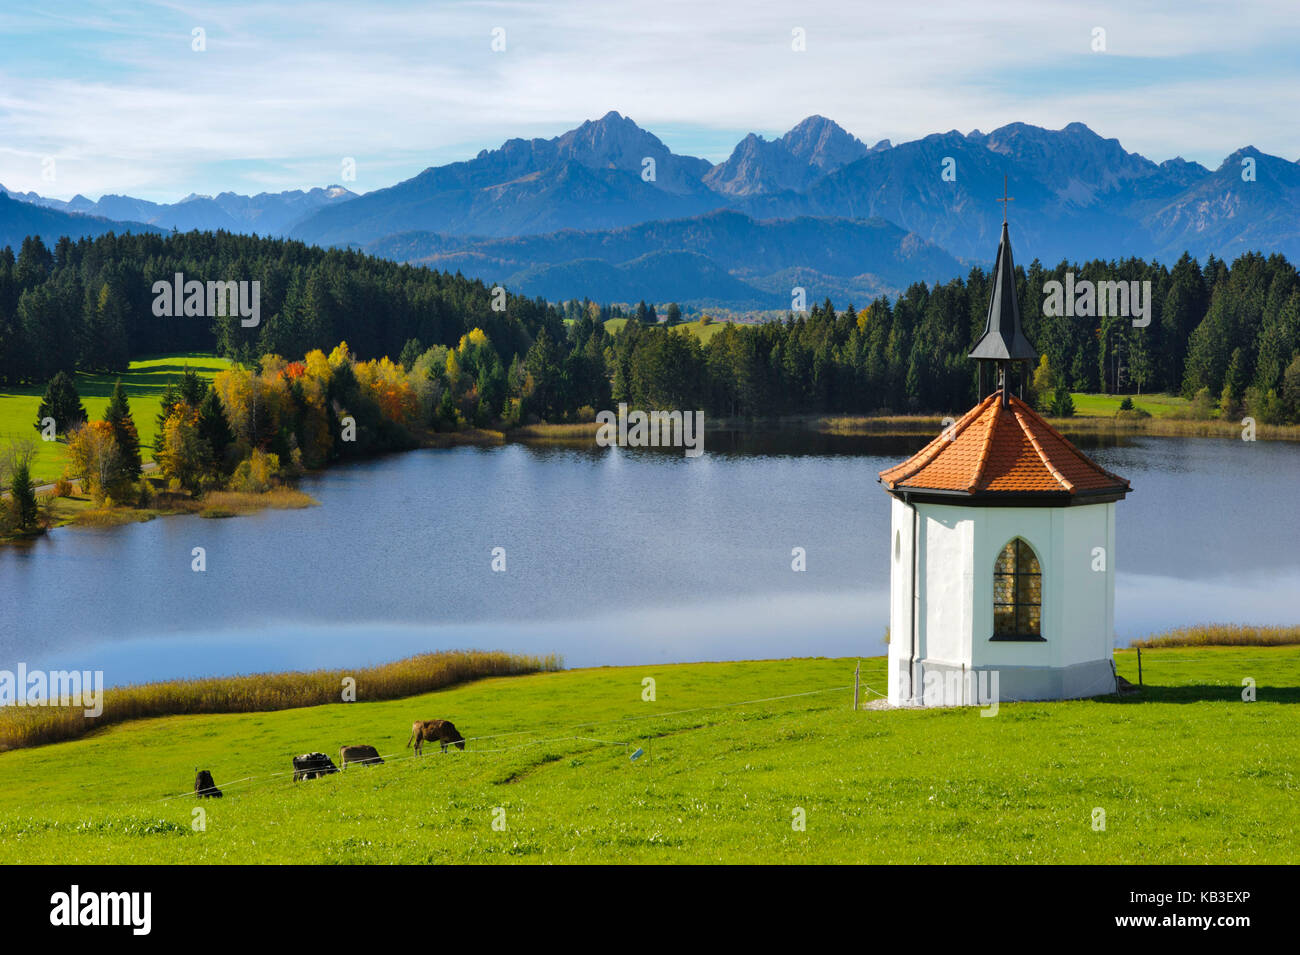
(613, 556)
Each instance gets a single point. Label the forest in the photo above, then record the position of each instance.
(1228, 334)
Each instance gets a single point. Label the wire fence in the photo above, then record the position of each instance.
(255, 781)
(1144, 657)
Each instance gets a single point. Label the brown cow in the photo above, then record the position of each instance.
(367, 755)
(441, 730)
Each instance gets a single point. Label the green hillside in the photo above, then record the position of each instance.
(1185, 772)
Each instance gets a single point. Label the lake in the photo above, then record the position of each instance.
(612, 556)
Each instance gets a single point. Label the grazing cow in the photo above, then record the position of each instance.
(367, 755)
(204, 787)
(312, 765)
(441, 730)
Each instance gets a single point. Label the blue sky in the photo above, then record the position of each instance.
(117, 96)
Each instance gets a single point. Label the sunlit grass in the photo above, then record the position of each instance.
(1185, 771)
(144, 382)
(1156, 405)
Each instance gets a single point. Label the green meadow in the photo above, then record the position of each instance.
(702, 332)
(144, 382)
(1157, 405)
(1184, 771)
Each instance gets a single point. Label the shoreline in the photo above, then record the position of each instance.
(29, 725)
(923, 424)
(77, 510)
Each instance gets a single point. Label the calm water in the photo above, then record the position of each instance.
(613, 556)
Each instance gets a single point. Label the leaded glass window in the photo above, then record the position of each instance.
(1017, 593)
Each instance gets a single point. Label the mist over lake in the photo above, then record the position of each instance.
(612, 557)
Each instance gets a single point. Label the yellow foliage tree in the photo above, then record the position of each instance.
(184, 455)
(93, 453)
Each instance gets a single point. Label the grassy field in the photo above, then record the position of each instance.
(1158, 406)
(702, 332)
(1185, 771)
(144, 384)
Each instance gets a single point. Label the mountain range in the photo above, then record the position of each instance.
(608, 211)
(265, 214)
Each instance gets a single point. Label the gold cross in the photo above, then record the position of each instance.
(1005, 199)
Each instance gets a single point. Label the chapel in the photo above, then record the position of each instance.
(1002, 545)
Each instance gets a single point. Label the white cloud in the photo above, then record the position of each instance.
(282, 93)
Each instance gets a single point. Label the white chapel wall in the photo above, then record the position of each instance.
(949, 541)
(1088, 611)
(900, 593)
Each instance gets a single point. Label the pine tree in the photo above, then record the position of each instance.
(62, 403)
(410, 352)
(118, 415)
(193, 388)
(1063, 402)
(214, 429)
(22, 489)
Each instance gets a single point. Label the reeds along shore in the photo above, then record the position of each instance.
(1221, 635)
(22, 726)
(1168, 426)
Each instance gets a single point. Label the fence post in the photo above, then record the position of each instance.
(856, 670)
(1139, 666)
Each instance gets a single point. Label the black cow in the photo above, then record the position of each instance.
(312, 765)
(204, 787)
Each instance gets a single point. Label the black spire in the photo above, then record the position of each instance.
(1003, 341)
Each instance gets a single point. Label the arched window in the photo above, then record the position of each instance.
(1017, 593)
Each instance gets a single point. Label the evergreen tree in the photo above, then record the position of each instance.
(62, 403)
(1062, 402)
(118, 415)
(410, 352)
(543, 366)
(215, 430)
(193, 388)
(22, 490)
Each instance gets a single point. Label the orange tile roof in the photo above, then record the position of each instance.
(994, 450)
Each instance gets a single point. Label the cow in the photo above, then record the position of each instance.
(366, 755)
(312, 765)
(441, 730)
(204, 787)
